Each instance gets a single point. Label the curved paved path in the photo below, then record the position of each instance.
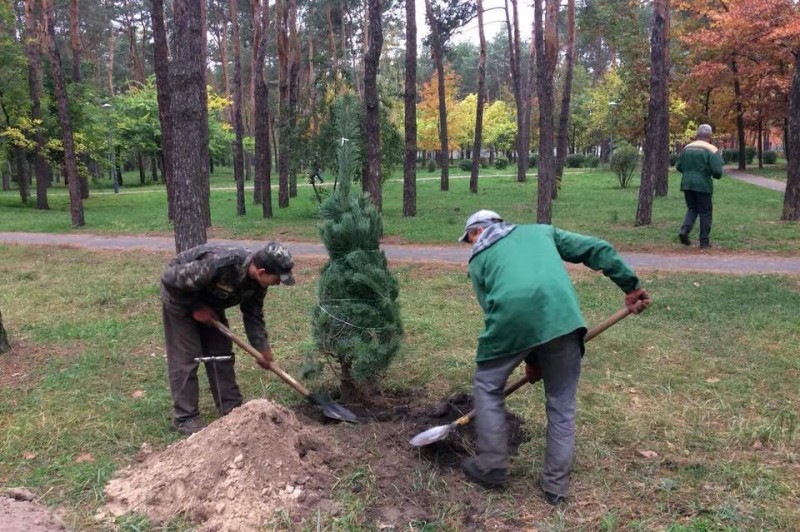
(759, 181)
(688, 261)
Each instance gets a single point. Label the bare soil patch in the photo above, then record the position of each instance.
(264, 463)
(19, 512)
(25, 361)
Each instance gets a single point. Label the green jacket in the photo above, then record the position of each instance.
(699, 162)
(524, 289)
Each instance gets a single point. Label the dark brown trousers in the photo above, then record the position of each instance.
(186, 340)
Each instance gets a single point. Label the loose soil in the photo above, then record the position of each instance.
(265, 464)
(19, 512)
(24, 362)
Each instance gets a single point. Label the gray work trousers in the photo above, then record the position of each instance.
(560, 362)
(185, 340)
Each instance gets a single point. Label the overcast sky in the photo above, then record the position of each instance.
(494, 20)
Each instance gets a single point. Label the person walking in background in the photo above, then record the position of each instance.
(698, 163)
(531, 314)
(196, 288)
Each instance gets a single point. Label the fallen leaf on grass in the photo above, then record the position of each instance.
(712, 380)
(29, 456)
(644, 453)
(757, 445)
(84, 457)
(137, 394)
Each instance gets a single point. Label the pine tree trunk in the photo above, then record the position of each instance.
(189, 108)
(476, 147)
(737, 92)
(371, 182)
(661, 166)
(5, 345)
(436, 49)
(32, 52)
(656, 147)
(164, 96)
(294, 93)
(566, 97)
(518, 84)
(65, 121)
(530, 79)
(75, 41)
(281, 32)
(263, 163)
(238, 127)
(546, 55)
(791, 199)
(22, 175)
(410, 102)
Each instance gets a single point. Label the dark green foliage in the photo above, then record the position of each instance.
(357, 321)
(731, 155)
(484, 162)
(673, 159)
(624, 161)
(592, 161)
(575, 160)
(465, 164)
(500, 163)
(430, 166)
(770, 157)
(532, 160)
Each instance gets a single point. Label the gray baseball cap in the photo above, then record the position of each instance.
(482, 218)
(275, 258)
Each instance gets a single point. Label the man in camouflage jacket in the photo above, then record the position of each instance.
(699, 162)
(196, 288)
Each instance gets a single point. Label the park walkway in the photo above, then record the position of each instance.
(764, 182)
(688, 260)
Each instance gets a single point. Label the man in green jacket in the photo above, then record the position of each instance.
(531, 314)
(699, 162)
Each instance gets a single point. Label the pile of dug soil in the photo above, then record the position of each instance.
(19, 512)
(236, 474)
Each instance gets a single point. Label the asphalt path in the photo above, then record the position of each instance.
(690, 260)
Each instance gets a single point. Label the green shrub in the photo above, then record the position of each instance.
(500, 163)
(770, 157)
(484, 162)
(673, 159)
(533, 159)
(731, 155)
(624, 161)
(592, 161)
(465, 164)
(575, 160)
(430, 165)
(750, 154)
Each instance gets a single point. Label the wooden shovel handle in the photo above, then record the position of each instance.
(597, 329)
(252, 351)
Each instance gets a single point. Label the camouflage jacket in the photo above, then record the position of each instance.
(216, 276)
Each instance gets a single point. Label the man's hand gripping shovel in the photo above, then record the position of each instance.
(441, 432)
(331, 410)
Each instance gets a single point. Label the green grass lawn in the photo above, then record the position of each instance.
(772, 171)
(707, 378)
(745, 217)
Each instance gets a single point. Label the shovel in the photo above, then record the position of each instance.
(441, 432)
(331, 410)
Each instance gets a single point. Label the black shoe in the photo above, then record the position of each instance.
(684, 238)
(494, 478)
(188, 427)
(553, 499)
(705, 245)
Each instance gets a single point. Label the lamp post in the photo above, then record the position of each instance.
(108, 107)
(612, 105)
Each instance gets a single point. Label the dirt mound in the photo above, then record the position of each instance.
(20, 513)
(237, 474)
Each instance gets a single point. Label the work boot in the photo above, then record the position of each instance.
(552, 498)
(705, 245)
(684, 238)
(494, 478)
(189, 426)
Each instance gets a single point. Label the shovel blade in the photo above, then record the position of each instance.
(333, 410)
(430, 436)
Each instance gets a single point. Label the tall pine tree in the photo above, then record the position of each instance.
(357, 321)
